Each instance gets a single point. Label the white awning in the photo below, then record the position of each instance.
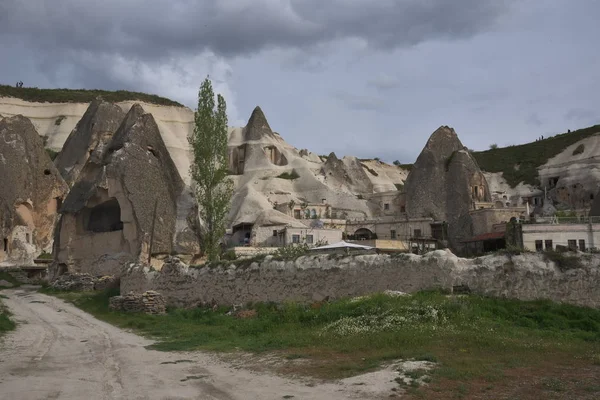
(343, 245)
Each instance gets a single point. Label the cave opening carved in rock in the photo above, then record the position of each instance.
(105, 217)
(275, 156)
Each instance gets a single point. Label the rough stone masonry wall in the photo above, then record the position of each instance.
(313, 278)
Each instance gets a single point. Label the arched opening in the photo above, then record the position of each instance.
(364, 234)
(313, 213)
(105, 217)
(275, 156)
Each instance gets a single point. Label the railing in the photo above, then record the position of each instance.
(563, 220)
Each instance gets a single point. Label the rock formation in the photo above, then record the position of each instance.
(93, 131)
(445, 183)
(125, 200)
(31, 192)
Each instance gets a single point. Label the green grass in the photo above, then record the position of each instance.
(5, 276)
(520, 163)
(469, 336)
(6, 324)
(80, 96)
(289, 175)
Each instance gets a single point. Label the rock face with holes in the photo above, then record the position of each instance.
(92, 133)
(31, 191)
(445, 183)
(126, 199)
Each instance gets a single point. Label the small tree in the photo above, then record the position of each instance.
(493, 146)
(209, 167)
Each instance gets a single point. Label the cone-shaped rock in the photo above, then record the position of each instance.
(31, 191)
(95, 129)
(108, 216)
(257, 126)
(444, 184)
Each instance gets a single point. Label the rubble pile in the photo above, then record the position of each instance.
(149, 302)
(106, 282)
(74, 282)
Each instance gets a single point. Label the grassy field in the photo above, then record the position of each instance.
(80, 95)
(483, 346)
(6, 324)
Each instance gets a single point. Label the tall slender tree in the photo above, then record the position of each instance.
(209, 168)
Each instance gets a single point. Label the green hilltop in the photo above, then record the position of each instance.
(520, 163)
(81, 95)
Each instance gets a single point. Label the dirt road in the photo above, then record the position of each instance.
(61, 352)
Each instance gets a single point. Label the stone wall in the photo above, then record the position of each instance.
(313, 278)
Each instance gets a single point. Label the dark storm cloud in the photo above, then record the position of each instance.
(155, 30)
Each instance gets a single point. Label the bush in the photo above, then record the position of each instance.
(229, 255)
(493, 146)
(563, 261)
(579, 149)
(52, 154)
(291, 252)
(289, 175)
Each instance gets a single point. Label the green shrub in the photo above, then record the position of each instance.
(399, 186)
(52, 154)
(493, 146)
(59, 120)
(563, 261)
(289, 175)
(291, 252)
(579, 149)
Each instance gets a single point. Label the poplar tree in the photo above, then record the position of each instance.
(209, 169)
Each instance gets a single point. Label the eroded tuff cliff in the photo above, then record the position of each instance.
(108, 217)
(31, 191)
(94, 130)
(444, 183)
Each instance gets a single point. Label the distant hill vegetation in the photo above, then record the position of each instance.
(81, 95)
(520, 163)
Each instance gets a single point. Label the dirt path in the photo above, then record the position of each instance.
(61, 352)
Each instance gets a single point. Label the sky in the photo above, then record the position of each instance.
(358, 77)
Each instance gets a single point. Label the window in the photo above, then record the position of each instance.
(5, 244)
(403, 209)
(393, 234)
(539, 245)
(417, 233)
(274, 232)
(549, 245)
(581, 244)
(295, 238)
(592, 196)
(27, 239)
(309, 239)
(297, 214)
(386, 206)
(572, 244)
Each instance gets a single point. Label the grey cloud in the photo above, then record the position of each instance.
(361, 102)
(151, 30)
(383, 82)
(582, 115)
(534, 119)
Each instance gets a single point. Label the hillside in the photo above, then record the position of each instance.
(520, 163)
(34, 94)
